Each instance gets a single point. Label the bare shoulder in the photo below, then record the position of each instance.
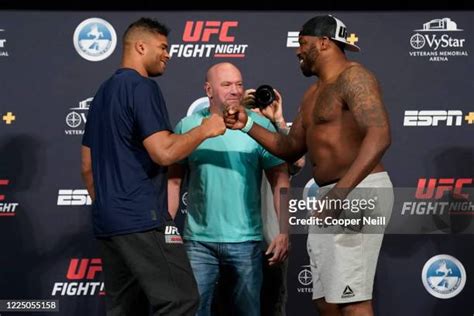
(356, 74)
(360, 90)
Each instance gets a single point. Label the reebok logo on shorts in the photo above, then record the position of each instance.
(347, 292)
(172, 235)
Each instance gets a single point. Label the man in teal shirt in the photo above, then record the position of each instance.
(223, 227)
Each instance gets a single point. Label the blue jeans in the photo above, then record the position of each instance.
(244, 263)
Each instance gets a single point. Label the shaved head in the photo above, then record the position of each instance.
(142, 29)
(218, 68)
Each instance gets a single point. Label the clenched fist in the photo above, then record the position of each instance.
(213, 125)
(235, 117)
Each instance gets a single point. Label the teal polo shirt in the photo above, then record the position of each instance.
(225, 174)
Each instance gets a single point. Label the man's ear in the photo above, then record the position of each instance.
(325, 42)
(208, 89)
(140, 47)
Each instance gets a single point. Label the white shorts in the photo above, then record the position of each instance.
(343, 264)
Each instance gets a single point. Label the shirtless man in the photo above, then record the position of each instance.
(343, 126)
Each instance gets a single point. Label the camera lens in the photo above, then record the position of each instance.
(264, 96)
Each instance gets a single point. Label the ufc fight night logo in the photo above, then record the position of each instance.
(434, 188)
(209, 39)
(201, 31)
(172, 235)
(82, 275)
(436, 196)
(6, 208)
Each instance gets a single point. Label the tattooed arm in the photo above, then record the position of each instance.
(288, 147)
(360, 90)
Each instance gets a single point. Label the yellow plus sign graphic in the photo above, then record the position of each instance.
(352, 38)
(470, 118)
(9, 118)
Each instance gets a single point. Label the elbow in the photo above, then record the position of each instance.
(293, 159)
(296, 158)
(387, 144)
(164, 162)
(386, 141)
(383, 143)
(164, 159)
(380, 140)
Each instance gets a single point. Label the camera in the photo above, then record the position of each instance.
(264, 96)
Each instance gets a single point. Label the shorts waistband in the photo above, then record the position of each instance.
(371, 178)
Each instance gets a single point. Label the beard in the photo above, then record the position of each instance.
(308, 62)
(306, 69)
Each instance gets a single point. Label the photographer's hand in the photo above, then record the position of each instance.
(274, 112)
(248, 100)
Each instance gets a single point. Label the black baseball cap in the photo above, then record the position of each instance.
(327, 25)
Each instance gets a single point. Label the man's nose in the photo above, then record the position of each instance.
(234, 89)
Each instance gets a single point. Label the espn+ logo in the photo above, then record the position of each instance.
(73, 198)
(437, 118)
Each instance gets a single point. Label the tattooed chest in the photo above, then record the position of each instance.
(328, 105)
